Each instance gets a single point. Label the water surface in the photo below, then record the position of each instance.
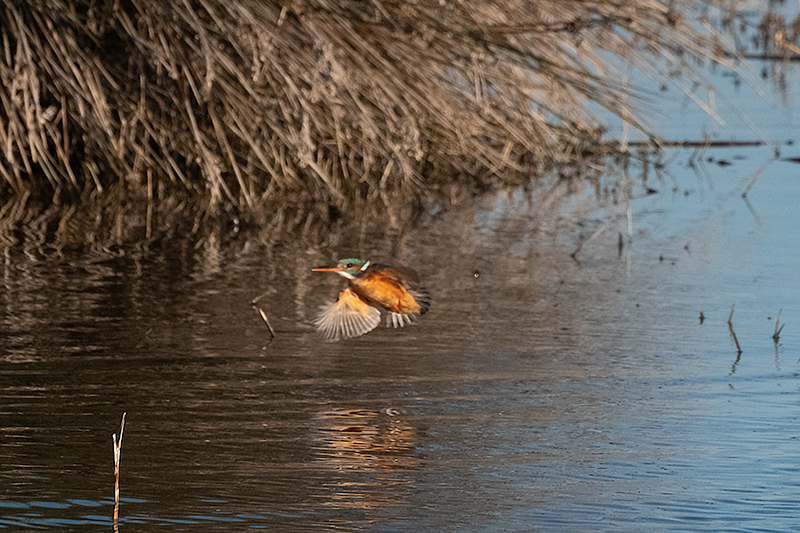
(542, 392)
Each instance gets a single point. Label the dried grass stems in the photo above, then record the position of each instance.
(117, 458)
(250, 103)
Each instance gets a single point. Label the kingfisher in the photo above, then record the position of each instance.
(372, 287)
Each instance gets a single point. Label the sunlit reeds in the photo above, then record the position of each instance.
(250, 104)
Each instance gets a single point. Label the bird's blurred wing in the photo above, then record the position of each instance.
(347, 317)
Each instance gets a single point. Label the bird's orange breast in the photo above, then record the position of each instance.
(387, 293)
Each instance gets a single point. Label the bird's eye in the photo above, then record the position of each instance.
(349, 265)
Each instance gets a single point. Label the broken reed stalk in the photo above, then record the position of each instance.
(733, 333)
(262, 314)
(755, 177)
(117, 457)
(594, 235)
(264, 317)
(778, 328)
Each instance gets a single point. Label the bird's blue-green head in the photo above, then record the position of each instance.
(349, 268)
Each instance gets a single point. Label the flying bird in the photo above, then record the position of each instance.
(372, 288)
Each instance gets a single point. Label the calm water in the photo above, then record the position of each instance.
(540, 393)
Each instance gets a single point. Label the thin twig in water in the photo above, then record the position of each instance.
(733, 334)
(752, 211)
(736, 363)
(696, 144)
(778, 328)
(262, 314)
(255, 300)
(755, 177)
(117, 456)
(266, 321)
(594, 235)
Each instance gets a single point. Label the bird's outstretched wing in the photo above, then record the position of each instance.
(347, 317)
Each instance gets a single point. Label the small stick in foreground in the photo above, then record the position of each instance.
(117, 456)
(266, 321)
(262, 314)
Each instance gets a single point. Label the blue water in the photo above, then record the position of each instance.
(542, 392)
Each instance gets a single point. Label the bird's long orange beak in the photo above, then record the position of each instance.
(325, 269)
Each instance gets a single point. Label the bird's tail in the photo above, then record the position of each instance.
(423, 298)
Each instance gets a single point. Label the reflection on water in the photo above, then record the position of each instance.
(361, 440)
(374, 445)
(545, 392)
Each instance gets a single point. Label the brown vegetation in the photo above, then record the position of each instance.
(252, 104)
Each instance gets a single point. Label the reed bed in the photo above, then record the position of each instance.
(255, 106)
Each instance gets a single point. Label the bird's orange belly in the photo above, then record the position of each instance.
(389, 296)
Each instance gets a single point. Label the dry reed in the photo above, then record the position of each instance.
(251, 104)
(733, 333)
(776, 337)
(117, 457)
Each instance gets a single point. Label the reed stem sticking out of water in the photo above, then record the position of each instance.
(778, 328)
(117, 457)
(262, 313)
(733, 333)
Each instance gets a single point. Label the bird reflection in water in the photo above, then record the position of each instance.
(355, 442)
